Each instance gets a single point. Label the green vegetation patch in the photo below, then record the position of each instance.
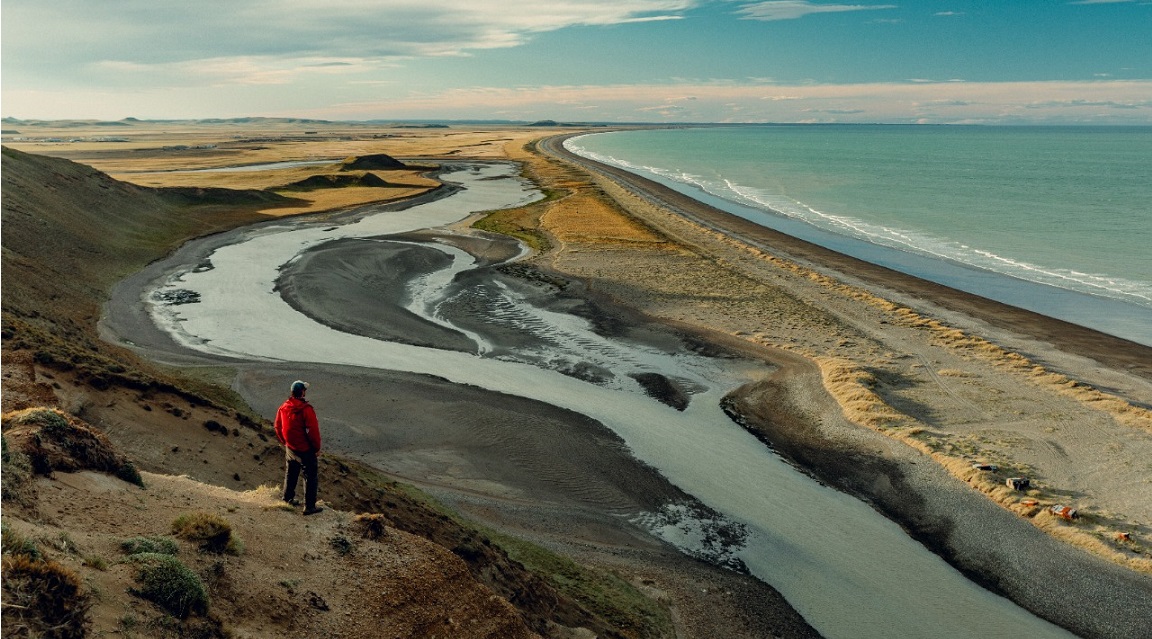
(15, 471)
(165, 581)
(16, 544)
(521, 223)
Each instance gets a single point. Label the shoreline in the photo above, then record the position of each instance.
(930, 500)
(1109, 350)
(988, 503)
(1117, 309)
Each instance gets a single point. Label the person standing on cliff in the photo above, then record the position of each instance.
(297, 428)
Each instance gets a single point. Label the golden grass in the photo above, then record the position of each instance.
(852, 389)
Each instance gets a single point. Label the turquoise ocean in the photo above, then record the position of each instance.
(1057, 220)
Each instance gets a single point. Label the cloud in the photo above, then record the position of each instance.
(1080, 102)
(1117, 102)
(792, 9)
(78, 33)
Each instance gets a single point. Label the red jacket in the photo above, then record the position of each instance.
(296, 425)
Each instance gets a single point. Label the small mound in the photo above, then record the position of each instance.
(333, 182)
(193, 195)
(54, 441)
(375, 162)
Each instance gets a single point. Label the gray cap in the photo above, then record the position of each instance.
(298, 386)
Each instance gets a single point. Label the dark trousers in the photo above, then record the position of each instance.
(294, 461)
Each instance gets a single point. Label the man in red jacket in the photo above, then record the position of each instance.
(298, 430)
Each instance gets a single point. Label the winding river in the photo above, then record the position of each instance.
(848, 570)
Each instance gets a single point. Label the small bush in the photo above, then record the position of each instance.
(371, 525)
(43, 599)
(170, 584)
(16, 544)
(155, 544)
(211, 531)
(128, 472)
(342, 545)
(96, 561)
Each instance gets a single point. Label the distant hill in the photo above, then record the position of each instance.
(375, 162)
(69, 229)
(332, 182)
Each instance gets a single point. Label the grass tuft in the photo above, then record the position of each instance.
(43, 599)
(167, 582)
(212, 532)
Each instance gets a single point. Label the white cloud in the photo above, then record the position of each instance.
(792, 9)
(1118, 102)
(1097, 102)
(76, 33)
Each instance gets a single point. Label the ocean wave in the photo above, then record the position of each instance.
(935, 247)
(907, 240)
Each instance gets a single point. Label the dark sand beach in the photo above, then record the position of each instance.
(565, 485)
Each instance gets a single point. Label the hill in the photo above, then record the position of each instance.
(374, 162)
(382, 556)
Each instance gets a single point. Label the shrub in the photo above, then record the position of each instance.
(16, 544)
(342, 545)
(170, 584)
(43, 599)
(371, 525)
(211, 531)
(154, 544)
(128, 472)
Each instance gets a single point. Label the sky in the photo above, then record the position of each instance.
(667, 61)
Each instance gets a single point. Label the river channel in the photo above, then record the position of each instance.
(849, 571)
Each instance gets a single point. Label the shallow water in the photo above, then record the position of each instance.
(848, 570)
(1050, 219)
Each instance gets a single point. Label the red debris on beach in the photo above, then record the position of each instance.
(1064, 512)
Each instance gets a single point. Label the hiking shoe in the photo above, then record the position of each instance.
(313, 510)
(292, 502)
